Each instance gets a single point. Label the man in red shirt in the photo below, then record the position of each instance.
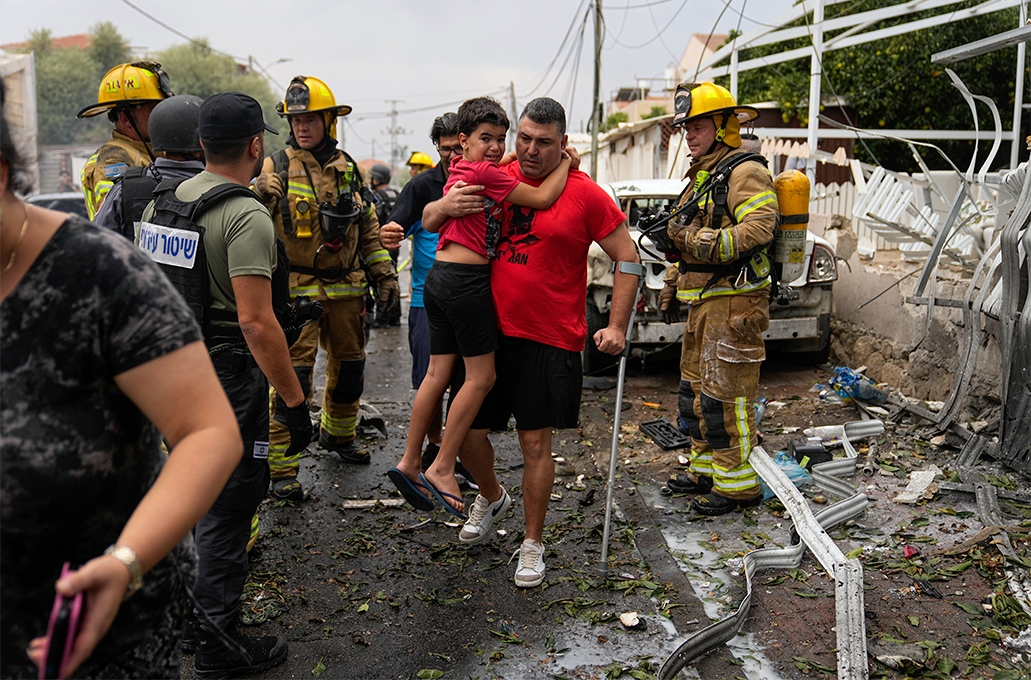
(537, 278)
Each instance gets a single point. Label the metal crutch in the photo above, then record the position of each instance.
(638, 270)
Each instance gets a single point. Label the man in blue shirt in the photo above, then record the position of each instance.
(406, 221)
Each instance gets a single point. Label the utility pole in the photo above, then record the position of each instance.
(394, 130)
(815, 77)
(596, 101)
(512, 116)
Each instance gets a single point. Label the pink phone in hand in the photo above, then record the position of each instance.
(61, 631)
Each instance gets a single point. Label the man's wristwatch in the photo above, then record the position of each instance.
(127, 556)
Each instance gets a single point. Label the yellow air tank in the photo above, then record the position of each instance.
(792, 189)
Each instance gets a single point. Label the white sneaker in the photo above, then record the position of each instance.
(530, 571)
(481, 518)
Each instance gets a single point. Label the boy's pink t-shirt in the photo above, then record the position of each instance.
(478, 232)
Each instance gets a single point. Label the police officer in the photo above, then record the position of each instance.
(324, 214)
(386, 197)
(249, 351)
(173, 133)
(128, 93)
(724, 280)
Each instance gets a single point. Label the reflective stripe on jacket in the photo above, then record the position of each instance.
(752, 202)
(107, 165)
(329, 180)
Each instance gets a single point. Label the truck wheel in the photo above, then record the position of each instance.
(595, 361)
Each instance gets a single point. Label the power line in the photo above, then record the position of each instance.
(579, 43)
(558, 53)
(716, 23)
(657, 36)
(267, 74)
(576, 67)
(643, 4)
(421, 109)
(361, 139)
(199, 43)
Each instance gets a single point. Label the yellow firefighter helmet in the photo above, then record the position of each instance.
(126, 84)
(306, 94)
(419, 158)
(709, 100)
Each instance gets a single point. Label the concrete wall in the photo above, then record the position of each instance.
(893, 338)
(19, 75)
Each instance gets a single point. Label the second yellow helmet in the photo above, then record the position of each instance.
(709, 100)
(306, 94)
(419, 158)
(126, 84)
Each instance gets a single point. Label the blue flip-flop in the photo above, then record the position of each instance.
(407, 487)
(439, 495)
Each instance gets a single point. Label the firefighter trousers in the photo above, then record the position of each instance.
(341, 333)
(719, 381)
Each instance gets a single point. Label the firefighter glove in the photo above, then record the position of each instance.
(389, 296)
(269, 187)
(713, 245)
(298, 422)
(669, 305)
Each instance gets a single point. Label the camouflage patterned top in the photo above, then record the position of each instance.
(76, 455)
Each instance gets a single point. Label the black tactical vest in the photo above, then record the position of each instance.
(138, 185)
(175, 241)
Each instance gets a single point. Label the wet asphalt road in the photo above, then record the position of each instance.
(365, 587)
(388, 592)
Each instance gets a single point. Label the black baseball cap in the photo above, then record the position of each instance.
(231, 115)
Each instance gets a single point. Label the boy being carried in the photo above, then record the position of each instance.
(459, 306)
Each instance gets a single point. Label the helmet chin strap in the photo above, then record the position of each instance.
(132, 121)
(721, 131)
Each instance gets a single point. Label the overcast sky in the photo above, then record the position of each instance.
(430, 55)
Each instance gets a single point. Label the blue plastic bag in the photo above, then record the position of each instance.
(851, 385)
(790, 467)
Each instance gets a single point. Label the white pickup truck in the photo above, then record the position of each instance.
(799, 316)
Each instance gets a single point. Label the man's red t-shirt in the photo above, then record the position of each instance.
(539, 272)
(478, 232)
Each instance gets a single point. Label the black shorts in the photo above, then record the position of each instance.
(460, 309)
(538, 384)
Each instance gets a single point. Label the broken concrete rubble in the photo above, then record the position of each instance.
(921, 486)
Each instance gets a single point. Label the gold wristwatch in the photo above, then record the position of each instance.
(127, 556)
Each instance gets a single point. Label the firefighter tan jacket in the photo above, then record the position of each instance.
(303, 202)
(752, 202)
(102, 169)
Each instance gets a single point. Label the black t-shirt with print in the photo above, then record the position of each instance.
(76, 455)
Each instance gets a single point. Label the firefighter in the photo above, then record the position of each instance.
(723, 279)
(418, 162)
(324, 213)
(128, 92)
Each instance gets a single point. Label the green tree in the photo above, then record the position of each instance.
(891, 83)
(194, 68)
(40, 41)
(67, 81)
(108, 47)
(655, 112)
(614, 120)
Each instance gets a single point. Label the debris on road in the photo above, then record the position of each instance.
(921, 486)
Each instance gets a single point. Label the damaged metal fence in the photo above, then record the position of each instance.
(810, 531)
